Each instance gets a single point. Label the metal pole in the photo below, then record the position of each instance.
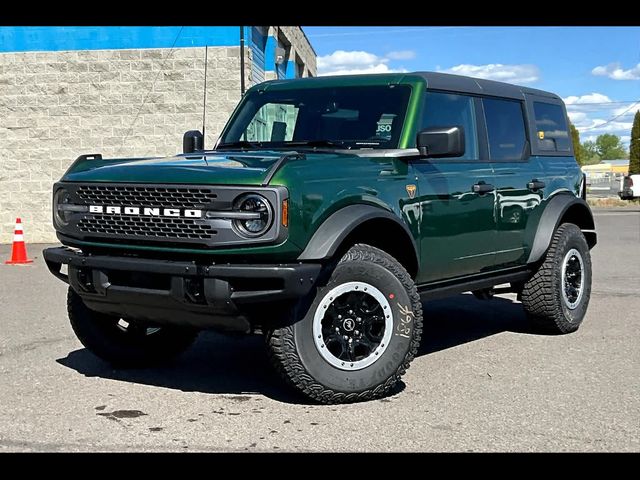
(241, 60)
(204, 99)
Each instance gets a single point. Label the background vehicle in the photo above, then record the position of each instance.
(329, 208)
(629, 187)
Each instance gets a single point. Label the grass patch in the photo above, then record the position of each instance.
(609, 202)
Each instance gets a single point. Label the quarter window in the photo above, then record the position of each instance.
(551, 127)
(505, 129)
(449, 110)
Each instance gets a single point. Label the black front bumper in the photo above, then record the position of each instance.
(179, 292)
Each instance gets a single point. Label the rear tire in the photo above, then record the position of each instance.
(125, 343)
(359, 335)
(556, 297)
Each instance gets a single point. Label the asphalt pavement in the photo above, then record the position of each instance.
(483, 380)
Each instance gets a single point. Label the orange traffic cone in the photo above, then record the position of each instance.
(19, 250)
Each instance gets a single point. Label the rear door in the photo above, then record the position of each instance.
(457, 226)
(518, 180)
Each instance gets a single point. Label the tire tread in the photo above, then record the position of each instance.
(287, 363)
(540, 298)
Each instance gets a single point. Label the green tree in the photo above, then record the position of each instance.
(609, 147)
(634, 150)
(589, 153)
(577, 147)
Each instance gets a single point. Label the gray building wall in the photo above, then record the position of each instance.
(57, 105)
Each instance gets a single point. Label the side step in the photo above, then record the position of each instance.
(446, 289)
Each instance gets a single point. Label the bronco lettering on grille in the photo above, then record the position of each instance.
(149, 211)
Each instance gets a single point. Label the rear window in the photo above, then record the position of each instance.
(551, 127)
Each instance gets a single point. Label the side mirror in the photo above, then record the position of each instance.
(438, 142)
(192, 141)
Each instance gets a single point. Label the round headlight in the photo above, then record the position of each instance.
(61, 197)
(254, 227)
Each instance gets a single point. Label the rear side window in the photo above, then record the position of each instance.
(505, 129)
(551, 127)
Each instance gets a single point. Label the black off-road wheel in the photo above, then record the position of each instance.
(125, 343)
(359, 335)
(556, 297)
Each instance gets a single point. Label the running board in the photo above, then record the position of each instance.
(446, 289)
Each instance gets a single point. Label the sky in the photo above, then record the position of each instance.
(596, 70)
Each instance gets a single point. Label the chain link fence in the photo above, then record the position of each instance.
(604, 184)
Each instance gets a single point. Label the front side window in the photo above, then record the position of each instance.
(274, 122)
(551, 127)
(345, 117)
(453, 110)
(505, 129)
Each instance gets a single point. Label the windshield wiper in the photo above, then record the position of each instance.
(317, 143)
(239, 144)
(244, 144)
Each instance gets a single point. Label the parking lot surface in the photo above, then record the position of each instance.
(483, 380)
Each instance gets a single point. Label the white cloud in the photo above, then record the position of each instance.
(597, 126)
(581, 107)
(378, 68)
(497, 71)
(626, 112)
(621, 129)
(346, 60)
(592, 113)
(616, 72)
(589, 98)
(355, 62)
(579, 119)
(401, 55)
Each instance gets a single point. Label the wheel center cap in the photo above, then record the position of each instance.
(348, 324)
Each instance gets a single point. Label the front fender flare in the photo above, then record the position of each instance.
(334, 230)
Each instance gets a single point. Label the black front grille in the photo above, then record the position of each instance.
(146, 196)
(147, 227)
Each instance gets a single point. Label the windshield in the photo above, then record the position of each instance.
(338, 117)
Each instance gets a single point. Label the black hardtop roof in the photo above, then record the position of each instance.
(434, 80)
(460, 83)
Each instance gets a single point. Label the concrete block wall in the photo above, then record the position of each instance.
(57, 105)
(302, 47)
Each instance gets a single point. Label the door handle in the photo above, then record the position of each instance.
(536, 184)
(482, 187)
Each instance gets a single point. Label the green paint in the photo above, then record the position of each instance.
(457, 232)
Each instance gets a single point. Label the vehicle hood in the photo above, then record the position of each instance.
(230, 168)
(234, 168)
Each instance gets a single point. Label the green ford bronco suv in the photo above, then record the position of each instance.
(327, 211)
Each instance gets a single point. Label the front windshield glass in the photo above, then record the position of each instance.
(337, 117)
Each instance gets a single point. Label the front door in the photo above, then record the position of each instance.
(457, 226)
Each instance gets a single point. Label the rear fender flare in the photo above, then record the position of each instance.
(562, 207)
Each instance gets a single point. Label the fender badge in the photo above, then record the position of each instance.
(411, 190)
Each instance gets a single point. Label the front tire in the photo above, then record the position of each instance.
(125, 343)
(556, 297)
(359, 335)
